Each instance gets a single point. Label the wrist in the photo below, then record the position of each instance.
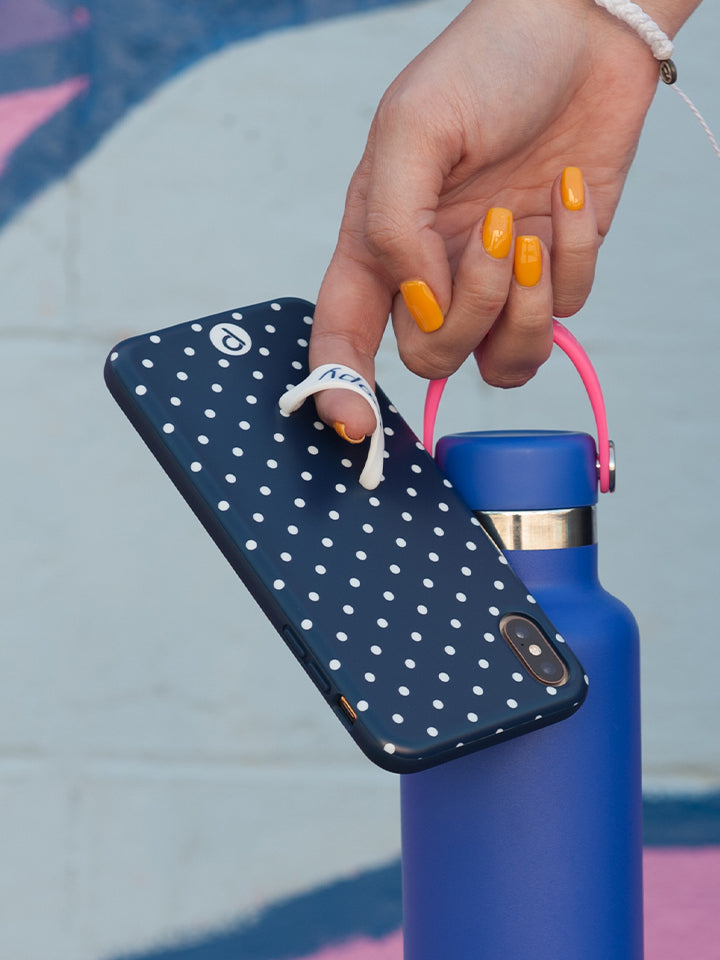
(669, 15)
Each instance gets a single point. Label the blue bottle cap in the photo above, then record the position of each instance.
(521, 469)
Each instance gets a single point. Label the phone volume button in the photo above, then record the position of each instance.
(294, 642)
(319, 677)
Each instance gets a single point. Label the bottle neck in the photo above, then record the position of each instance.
(549, 549)
(540, 529)
(557, 571)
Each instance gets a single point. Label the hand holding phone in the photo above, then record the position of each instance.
(396, 603)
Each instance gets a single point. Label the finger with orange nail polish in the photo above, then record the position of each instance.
(497, 232)
(575, 242)
(572, 189)
(423, 307)
(481, 283)
(527, 265)
(521, 338)
(341, 432)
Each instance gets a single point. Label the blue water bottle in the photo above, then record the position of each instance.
(532, 849)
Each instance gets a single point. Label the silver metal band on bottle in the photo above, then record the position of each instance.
(540, 529)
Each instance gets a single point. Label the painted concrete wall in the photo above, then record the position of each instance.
(164, 767)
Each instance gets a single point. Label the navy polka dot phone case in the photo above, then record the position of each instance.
(391, 599)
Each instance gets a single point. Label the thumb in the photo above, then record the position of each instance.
(350, 317)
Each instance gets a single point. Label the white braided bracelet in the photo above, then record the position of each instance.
(646, 28)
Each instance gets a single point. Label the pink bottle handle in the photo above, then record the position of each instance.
(580, 360)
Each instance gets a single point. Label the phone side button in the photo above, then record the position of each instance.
(294, 642)
(319, 677)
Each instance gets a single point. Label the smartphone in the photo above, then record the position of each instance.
(395, 602)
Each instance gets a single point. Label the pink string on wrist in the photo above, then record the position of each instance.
(582, 363)
(662, 49)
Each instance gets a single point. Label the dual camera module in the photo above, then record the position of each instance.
(533, 648)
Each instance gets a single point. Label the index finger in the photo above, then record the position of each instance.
(386, 237)
(411, 158)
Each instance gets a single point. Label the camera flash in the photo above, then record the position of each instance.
(535, 649)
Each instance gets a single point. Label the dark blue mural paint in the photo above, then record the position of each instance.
(369, 905)
(366, 905)
(126, 49)
(682, 821)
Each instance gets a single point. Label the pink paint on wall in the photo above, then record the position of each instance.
(23, 112)
(682, 903)
(363, 948)
(24, 22)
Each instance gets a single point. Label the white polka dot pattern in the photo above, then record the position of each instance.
(391, 598)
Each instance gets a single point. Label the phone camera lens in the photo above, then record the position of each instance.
(533, 648)
(552, 671)
(518, 630)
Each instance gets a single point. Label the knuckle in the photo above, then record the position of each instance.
(570, 296)
(568, 304)
(486, 302)
(399, 106)
(478, 300)
(506, 381)
(358, 344)
(515, 366)
(583, 250)
(384, 233)
(430, 364)
(534, 336)
(573, 276)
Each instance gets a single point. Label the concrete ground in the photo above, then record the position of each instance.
(150, 785)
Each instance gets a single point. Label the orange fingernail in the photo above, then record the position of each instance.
(527, 265)
(422, 305)
(340, 431)
(572, 189)
(497, 232)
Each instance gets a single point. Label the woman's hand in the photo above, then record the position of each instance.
(484, 121)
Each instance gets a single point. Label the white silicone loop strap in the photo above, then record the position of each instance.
(336, 376)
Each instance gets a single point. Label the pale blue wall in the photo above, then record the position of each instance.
(149, 787)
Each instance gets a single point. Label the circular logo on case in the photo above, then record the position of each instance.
(230, 338)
